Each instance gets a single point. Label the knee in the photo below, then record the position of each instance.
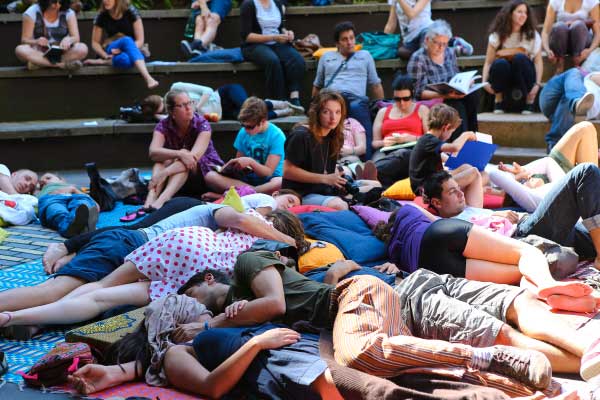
(338, 204)
(214, 21)
(80, 50)
(560, 28)
(578, 26)
(122, 60)
(520, 60)
(22, 50)
(500, 65)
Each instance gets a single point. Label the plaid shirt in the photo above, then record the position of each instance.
(422, 68)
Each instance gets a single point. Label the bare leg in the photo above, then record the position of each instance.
(97, 61)
(325, 386)
(200, 27)
(579, 144)
(488, 271)
(82, 308)
(157, 169)
(469, 180)
(209, 34)
(273, 185)
(595, 234)
(78, 52)
(26, 53)
(31, 296)
(174, 183)
(220, 183)
(584, 304)
(126, 273)
(485, 245)
(337, 203)
(150, 81)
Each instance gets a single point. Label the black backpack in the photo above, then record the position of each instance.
(100, 189)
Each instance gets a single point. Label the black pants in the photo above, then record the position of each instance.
(443, 245)
(171, 207)
(467, 109)
(514, 79)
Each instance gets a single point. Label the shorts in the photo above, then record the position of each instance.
(456, 310)
(443, 245)
(314, 199)
(104, 253)
(221, 7)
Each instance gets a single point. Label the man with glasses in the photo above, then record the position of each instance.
(260, 153)
(349, 72)
(436, 63)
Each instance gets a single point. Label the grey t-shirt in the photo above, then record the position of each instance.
(353, 77)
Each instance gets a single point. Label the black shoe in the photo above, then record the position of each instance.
(3, 363)
(527, 366)
(79, 223)
(498, 108)
(529, 109)
(92, 218)
(186, 49)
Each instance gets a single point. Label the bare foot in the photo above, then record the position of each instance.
(570, 288)
(61, 262)
(152, 83)
(585, 304)
(97, 61)
(210, 196)
(53, 253)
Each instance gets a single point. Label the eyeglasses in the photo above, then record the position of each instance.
(405, 98)
(187, 104)
(438, 44)
(249, 127)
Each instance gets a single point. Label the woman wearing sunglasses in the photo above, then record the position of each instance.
(402, 122)
(51, 23)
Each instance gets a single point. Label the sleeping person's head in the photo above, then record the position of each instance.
(50, 177)
(24, 181)
(286, 198)
(383, 229)
(209, 287)
(288, 223)
(443, 195)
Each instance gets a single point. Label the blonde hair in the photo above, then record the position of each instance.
(120, 7)
(441, 115)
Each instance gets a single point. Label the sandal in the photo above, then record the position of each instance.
(131, 216)
(3, 364)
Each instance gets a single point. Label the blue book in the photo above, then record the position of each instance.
(476, 154)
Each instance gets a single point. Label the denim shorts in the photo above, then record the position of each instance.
(314, 199)
(221, 7)
(104, 253)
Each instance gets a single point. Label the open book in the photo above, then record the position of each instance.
(54, 53)
(475, 153)
(460, 83)
(393, 147)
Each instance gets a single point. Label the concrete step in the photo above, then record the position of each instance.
(522, 155)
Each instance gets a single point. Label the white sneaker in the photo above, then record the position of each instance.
(584, 103)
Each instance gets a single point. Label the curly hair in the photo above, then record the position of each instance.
(502, 24)
(289, 224)
(314, 123)
(383, 229)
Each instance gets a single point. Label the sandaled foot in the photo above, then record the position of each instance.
(210, 196)
(571, 288)
(54, 252)
(585, 304)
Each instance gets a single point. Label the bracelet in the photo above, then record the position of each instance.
(206, 326)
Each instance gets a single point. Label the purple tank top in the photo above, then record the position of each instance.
(407, 233)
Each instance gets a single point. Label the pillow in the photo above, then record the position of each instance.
(348, 232)
(320, 254)
(319, 53)
(309, 208)
(400, 190)
(371, 215)
(233, 200)
(492, 201)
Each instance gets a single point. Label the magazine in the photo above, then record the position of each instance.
(461, 83)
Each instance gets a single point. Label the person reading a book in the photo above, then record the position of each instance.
(426, 157)
(182, 151)
(260, 153)
(50, 37)
(528, 185)
(513, 61)
(567, 31)
(124, 45)
(435, 63)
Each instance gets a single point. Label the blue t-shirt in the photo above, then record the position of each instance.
(261, 145)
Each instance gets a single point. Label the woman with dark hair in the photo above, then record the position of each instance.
(566, 30)
(267, 43)
(182, 151)
(513, 61)
(123, 46)
(50, 23)
(417, 239)
(312, 150)
(267, 360)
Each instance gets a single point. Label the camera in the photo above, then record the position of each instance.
(350, 186)
(132, 114)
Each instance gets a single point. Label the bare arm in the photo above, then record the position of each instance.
(360, 142)
(338, 270)
(157, 151)
(27, 31)
(595, 15)
(490, 57)
(227, 217)
(458, 143)
(73, 29)
(548, 22)
(412, 12)
(295, 173)
(96, 42)
(258, 168)
(315, 91)
(424, 115)
(392, 22)
(377, 139)
(6, 186)
(377, 91)
(138, 32)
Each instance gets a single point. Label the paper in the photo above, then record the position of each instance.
(460, 83)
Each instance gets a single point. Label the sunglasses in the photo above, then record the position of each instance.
(249, 127)
(405, 98)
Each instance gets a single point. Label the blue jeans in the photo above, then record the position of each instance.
(318, 274)
(219, 56)
(557, 216)
(57, 211)
(284, 67)
(358, 108)
(129, 53)
(557, 102)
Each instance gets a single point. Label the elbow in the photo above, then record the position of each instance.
(276, 308)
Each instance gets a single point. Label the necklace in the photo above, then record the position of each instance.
(324, 158)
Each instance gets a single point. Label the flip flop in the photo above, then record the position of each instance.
(132, 216)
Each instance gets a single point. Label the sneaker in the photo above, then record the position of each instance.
(584, 103)
(462, 47)
(186, 49)
(527, 366)
(294, 104)
(92, 218)
(286, 112)
(528, 110)
(498, 108)
(590, 362)
(79, 223)
(214, 47)
(32, 67)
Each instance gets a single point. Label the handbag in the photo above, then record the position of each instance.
(307, 46)
(509, 53)
(54, 368)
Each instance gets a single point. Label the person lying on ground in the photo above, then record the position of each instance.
(383, 331)
(22, 181)
(182, 151)
(426, 156)
(528, 185)
(106, 251)
(63, 207)
(260, 152)
(253, 360)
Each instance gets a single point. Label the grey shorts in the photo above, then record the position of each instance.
(453, 309)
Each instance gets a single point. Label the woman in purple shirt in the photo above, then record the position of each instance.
(182, 151)
(418, 239)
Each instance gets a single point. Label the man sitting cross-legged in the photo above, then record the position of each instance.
(384, 332)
